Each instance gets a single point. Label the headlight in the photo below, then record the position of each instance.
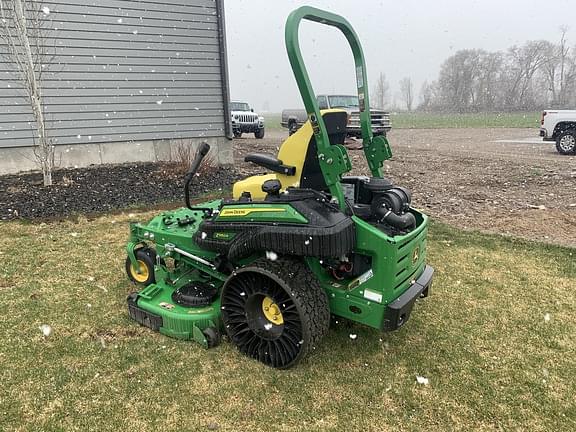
(261, 118)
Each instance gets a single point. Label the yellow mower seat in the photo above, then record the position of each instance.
(293, 152)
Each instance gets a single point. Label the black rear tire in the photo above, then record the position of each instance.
(259, 134)
(237, 134)
(295, 300)
(566, 142)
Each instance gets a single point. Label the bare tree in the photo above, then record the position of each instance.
(559, 72)
(407, 92)
(381, 92)
(523, 63)
(427, 95)
(23, 34)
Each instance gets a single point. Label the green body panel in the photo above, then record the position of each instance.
(393, 271)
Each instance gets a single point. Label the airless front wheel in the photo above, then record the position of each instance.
(144, 273)
(275, 311)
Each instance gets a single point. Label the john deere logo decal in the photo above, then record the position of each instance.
(415, 255)
(246, 211)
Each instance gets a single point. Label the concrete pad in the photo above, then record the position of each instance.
(530, 140)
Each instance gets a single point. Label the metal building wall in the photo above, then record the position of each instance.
(126, 70)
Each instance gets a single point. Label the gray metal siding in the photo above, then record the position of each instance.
(125, 70)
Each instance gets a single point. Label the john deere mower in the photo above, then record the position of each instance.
(292, 247)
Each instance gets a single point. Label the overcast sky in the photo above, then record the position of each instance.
(400, 38)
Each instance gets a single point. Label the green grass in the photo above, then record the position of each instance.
(481, 339)
(272, 121)
(421, 120)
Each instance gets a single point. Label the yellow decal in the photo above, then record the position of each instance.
(246, 211)
(416, 255)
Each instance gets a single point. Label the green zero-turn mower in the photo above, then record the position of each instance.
(291, 248)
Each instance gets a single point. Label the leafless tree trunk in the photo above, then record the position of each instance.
(381, 91)
(524, 61)
(407, 92)
(427, 95)
(22, 32)
(563, 58)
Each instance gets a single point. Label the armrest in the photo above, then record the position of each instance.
(270, 162)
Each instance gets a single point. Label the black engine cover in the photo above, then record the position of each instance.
(329, 232)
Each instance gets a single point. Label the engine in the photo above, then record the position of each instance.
(378, 201)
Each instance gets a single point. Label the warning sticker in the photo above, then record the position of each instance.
(374, 296)
(359, 77)
(361, 279)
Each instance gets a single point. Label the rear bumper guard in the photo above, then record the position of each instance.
(398, 312)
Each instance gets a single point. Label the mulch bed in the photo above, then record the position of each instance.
(101, 189)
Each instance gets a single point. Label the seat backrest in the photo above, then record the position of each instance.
(311, 175)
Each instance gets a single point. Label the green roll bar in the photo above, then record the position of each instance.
(334, 159)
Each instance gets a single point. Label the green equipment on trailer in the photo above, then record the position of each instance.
(269, 266)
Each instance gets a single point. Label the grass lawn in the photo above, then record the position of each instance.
(497, 341)
(420, 120)
(272, 121)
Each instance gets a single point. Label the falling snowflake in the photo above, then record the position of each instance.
(547, 317)
(46, 10)
(74, 234)
(159, 102)
(203, 235)
(422, 380)
(242, 294)
(135, 32)
(267, 326)
(119, 20)
(307, 242)
(272, 256)
(353, 336)
(46, 330)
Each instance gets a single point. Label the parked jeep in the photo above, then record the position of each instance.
(560, 126)
(245, 120)
(294, 118)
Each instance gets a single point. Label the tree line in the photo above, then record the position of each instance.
(538, 74)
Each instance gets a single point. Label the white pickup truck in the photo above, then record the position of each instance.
(560, 126)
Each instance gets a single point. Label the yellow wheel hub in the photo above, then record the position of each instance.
(141, 274)
(272, 311)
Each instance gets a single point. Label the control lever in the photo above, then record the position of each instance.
(203, 150)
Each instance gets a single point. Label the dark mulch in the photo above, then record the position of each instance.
(101, 189)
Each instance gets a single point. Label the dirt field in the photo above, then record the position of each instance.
(495, 180)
